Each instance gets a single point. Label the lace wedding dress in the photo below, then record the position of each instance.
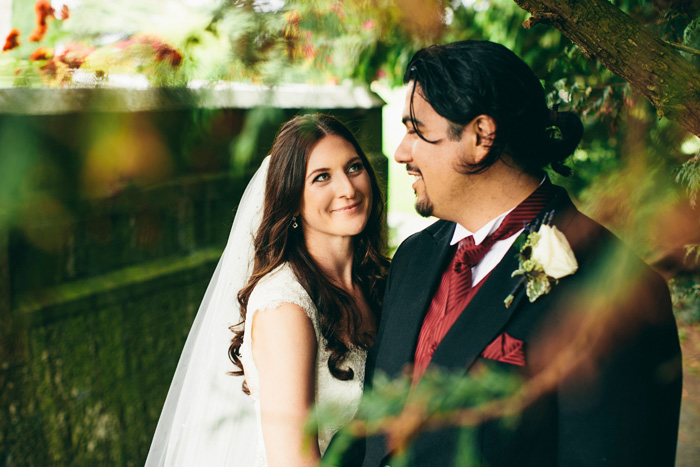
(281, 286)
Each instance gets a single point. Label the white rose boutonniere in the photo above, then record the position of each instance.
(544, 258)
(553, 253)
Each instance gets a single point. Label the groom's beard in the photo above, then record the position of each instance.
(424, 207)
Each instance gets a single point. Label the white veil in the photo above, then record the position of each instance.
(207, 419)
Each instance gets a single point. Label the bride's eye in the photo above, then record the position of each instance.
(321, 177)
(356, 167)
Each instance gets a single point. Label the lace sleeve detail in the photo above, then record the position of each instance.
(278, 287)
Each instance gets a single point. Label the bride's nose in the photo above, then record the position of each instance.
(345, 187)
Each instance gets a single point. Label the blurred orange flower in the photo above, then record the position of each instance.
(12, 40)
(42, 53)
(39, 33)
(65, 13)
(43, 11)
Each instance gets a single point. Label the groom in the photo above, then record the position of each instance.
(590, 330)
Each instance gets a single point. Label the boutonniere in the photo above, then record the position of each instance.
(544, 258)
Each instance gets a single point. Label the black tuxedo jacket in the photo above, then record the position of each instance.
(619, 407)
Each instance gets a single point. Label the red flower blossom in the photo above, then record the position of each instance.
(368, 25)
(12, 40)
(65, 13)
(337, 8)
(42, 53)
(165, 52)
(293, 17)
(161, 50)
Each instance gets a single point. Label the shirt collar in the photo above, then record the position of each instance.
(481, 234)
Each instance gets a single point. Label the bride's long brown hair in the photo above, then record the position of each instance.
(277, 242)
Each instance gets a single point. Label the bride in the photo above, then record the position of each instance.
(306, 268)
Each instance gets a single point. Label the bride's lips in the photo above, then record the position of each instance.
(350, 209)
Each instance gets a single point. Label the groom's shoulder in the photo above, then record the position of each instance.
(597, 247)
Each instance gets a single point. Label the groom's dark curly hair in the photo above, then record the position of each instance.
(277, 242)
(465, 79)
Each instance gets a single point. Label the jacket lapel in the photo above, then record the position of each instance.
(486, 314)
(409, 298)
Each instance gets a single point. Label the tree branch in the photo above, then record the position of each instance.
(652, 66)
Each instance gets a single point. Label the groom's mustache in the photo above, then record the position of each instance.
(412, 168)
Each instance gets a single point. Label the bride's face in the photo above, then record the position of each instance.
(337, 196)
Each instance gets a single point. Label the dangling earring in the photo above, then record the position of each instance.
(294, 222)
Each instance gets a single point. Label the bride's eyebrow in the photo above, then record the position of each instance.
(317, 171)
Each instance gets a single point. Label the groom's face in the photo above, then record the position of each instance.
(438, 185)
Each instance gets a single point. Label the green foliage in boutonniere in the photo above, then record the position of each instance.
(545, 256)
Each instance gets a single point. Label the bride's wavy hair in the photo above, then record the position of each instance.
(277, 242)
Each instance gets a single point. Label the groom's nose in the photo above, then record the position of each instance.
(402, 155)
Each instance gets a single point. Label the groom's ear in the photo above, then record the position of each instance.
(480, 133)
